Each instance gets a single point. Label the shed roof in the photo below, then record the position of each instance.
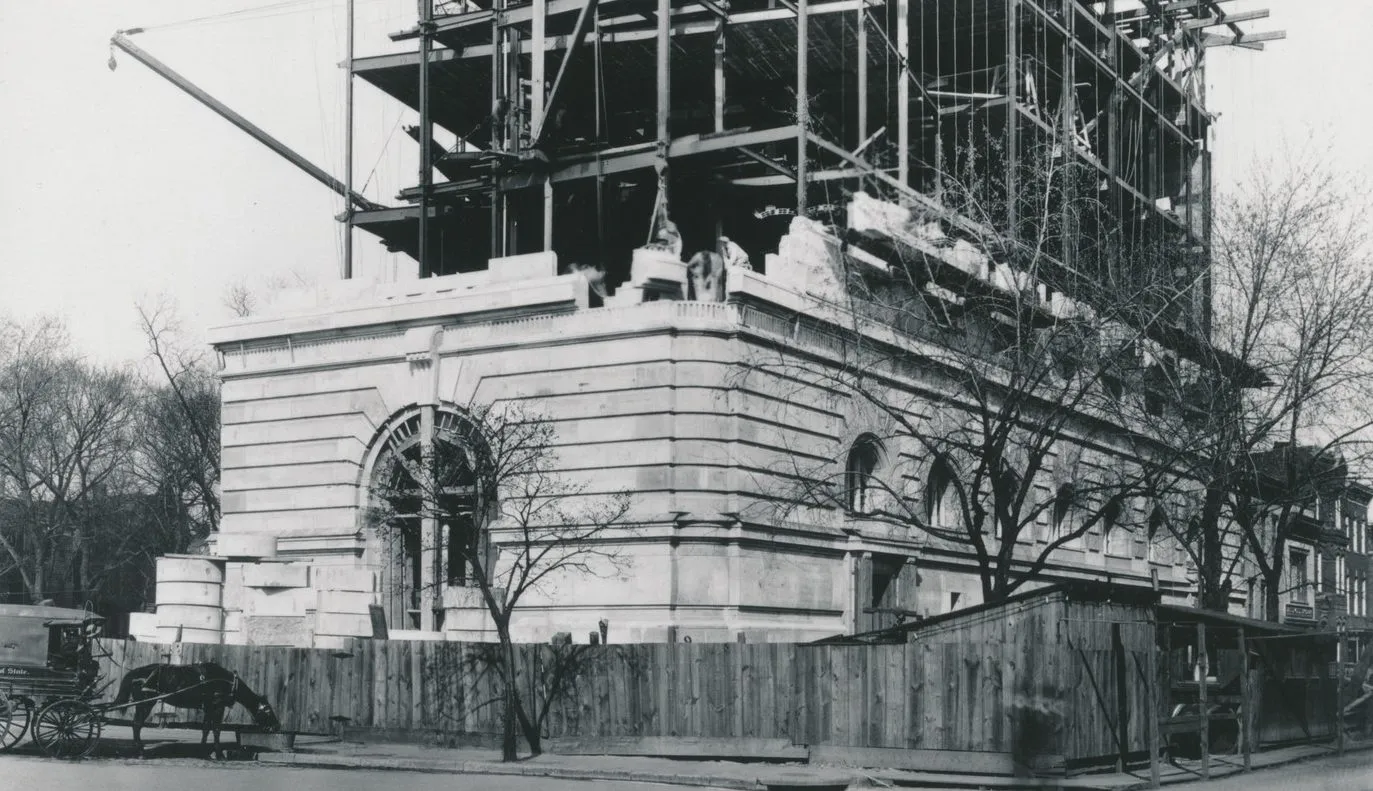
(1076, 590)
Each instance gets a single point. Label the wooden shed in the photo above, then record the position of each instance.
(1073, 680)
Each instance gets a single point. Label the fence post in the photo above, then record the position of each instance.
(1122, 697)
(1339, 691)
(1247, 705)
(1153, 705)
(1203, 663)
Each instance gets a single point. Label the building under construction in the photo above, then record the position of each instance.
(630, 136)
(568, 112)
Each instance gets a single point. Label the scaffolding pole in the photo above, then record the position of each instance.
(426, 12)
(802, 101)
(348, 155)
(903, 92)
(537, 107)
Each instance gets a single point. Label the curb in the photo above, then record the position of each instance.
(1275, 764)
(492, 768)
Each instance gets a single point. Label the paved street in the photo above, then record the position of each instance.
(1351, 773)
(41, 774)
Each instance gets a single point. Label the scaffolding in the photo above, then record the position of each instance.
(573, 117)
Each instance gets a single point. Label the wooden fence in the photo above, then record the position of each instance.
(927, 695)
(1057, 674)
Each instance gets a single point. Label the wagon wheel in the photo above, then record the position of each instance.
(66, 729)
(15, 714)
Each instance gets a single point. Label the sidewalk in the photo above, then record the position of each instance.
(731, 774)
(323, 752)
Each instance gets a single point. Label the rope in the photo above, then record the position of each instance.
(384, 146)
(253, 12)
(103, 707)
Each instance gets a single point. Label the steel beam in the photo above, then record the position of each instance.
(253, 130)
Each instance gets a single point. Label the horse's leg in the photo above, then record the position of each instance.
(219, 726)
(207, 723)
(140, 716)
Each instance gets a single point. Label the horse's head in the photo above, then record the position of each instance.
(264, 717)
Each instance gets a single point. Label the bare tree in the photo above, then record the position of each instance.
(65, 442)
(179, 436)
(994, 354)
(1293, 290)
(243, 299)
(28, 381)
(508, 524)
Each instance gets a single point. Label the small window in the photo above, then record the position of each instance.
(1296, 576)
(941, 496)
(860, 487)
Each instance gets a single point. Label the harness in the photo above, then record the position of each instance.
(150, 685)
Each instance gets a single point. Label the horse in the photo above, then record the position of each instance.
(206, 686)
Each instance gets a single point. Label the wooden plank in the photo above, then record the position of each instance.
(378, 691)
(701, 748)
(841, 696)
(1122, 677)
(959, 761)
(859, 694)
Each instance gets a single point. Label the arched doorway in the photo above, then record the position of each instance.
(428, 499)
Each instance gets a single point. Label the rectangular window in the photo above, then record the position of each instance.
(1296, 576)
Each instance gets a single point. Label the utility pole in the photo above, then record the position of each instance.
(348, 157)
(426, 10)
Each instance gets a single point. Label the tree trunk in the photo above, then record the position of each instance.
(509, 695)
(1211, 593)
(38, 578)
(1270, 596)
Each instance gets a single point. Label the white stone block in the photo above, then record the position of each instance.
(143, 626)
(462, 597)
(522, 267)
(279, 601)
(344, 578)
(344, 601)
(186, 568)
(625, 296)
(191, 616)
(867, 214)
(277, 630)
(416, 635)
(657, 269)
(172, 634)
(245, 545)
(340, 623)
(332, 642)
(276, 575)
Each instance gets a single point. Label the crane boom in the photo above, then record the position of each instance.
(120, 40)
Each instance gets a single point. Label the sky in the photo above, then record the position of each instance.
(117, 190)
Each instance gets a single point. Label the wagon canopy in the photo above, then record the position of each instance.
(24, 632)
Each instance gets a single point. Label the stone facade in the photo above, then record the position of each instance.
(659, 399)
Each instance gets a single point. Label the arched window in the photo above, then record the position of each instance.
(860, 487)
(1116, 537)
(425, 487)
(941, 494)
(1064, 520)
(1158, 527)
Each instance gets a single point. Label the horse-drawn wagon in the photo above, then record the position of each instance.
(50, 679)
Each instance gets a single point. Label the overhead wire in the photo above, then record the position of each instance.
(250, 13)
